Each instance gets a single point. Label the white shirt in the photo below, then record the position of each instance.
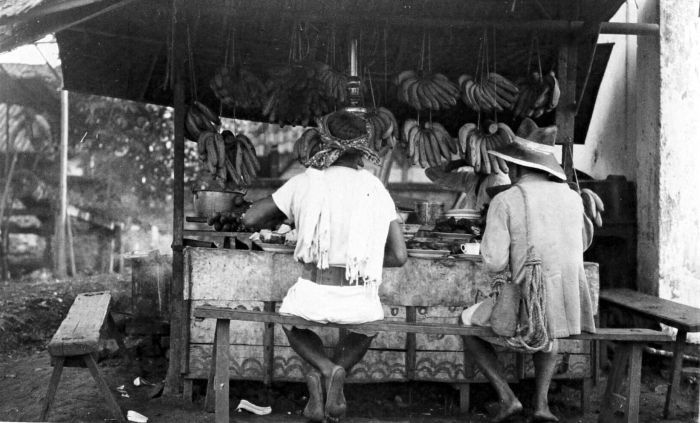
(348, 185)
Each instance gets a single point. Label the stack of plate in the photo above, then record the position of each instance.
(470, 214)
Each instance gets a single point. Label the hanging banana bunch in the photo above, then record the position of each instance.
(238, 87)
(386, 129)
(538, 95)
(474, 144)
(307, 145)
(429, 144)
(198, 119)
(433, 92)
(228, 157)
(492, 93)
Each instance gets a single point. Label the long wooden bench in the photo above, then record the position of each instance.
(76, 343)
(680, 316)
(630, 354)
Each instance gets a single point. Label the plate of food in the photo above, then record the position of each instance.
(427, 254)
(276, 248)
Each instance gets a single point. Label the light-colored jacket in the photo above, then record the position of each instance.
(558, 237)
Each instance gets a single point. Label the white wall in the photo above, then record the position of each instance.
(610, 143)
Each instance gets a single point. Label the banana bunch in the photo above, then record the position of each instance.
(238, 87)
(592, 207)
(295, 96)
(334, 82)
(474, 143)
(386, 129)
(198, 119)
(308, 144)
(537, 95)
(494, 92)
(241, 161)
(212, 152)
(433, 92)
(428, 144)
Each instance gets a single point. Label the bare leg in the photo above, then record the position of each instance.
(351, 349)
(314, 410)
(310, 347)
(545, 362)
(485, 358)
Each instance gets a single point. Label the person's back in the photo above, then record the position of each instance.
(555, 215)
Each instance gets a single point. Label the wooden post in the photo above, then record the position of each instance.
(178, 344)
(71, 251)
(60, 240)
(567, 106)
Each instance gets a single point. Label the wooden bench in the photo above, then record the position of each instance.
(76, 343)
(632, 341)
(680, 316)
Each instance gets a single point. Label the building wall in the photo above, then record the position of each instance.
(610, 145)
(679, 153)
(645, 125)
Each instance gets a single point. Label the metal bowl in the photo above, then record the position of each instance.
(209, 202)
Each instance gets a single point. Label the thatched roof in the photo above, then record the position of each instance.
(125, 53)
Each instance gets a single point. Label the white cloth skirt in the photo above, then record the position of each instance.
(353, 304)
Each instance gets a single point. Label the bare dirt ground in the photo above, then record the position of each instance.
(30, 311)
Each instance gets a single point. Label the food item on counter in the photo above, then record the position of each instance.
(386, 129)
(433, 92)
(199, 118)
(493, 92)
(228, 221)
(429, 144)
(592, 207)
(238, 87)
(474, 143)
(459, 226)
(538, 94)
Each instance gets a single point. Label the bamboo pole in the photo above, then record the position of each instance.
(60, 240)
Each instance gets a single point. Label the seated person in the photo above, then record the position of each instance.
(347, 230)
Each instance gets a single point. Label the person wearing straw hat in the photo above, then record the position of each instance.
(534, 230)
(348, 230)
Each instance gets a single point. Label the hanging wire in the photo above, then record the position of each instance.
(386, 64)
(190, 58)
(371, 87)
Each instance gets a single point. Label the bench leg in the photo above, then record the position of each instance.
(673, 387)
(634, 383)
(615, 379)
(187, 394)
(53, 385)
(464, 398)
(209, 397)
(104, 388)
(221, 377)
(586, 391)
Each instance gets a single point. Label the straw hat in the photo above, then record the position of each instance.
(538, 154)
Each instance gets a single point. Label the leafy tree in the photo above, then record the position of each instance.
(128, 148)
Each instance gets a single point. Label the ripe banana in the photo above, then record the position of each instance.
(434, 92)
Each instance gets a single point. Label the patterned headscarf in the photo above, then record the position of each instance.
(333, 147)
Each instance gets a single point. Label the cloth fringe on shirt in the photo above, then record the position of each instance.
(314, 241)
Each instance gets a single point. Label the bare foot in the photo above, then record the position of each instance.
(507, 411)
(335, 398)
(314, 408)
(544, 415)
